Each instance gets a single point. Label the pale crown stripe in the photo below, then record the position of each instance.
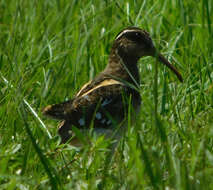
(124, 32)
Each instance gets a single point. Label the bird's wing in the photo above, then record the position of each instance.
(98, 104)
(57, 111)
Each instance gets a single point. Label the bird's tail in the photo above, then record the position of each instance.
(57, 111)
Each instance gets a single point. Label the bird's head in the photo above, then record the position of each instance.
(134, 43)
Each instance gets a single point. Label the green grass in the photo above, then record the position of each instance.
(48, 49)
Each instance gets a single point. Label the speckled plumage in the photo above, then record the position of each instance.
(105, 100)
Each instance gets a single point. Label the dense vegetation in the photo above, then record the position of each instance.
(50, 48)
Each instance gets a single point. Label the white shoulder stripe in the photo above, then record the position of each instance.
(82, 88)
(106, 82)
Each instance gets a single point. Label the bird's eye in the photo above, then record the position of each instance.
(134, 36)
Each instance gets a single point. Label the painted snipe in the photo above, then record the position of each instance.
(103, 103)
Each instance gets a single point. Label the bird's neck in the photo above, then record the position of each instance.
(123, 67)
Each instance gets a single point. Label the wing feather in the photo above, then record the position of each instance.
(103, 104)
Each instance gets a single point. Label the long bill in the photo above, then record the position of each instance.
(163, 60)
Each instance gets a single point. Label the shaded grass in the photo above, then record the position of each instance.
(49, 49)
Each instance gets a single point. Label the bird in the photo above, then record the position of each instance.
(102, 104)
